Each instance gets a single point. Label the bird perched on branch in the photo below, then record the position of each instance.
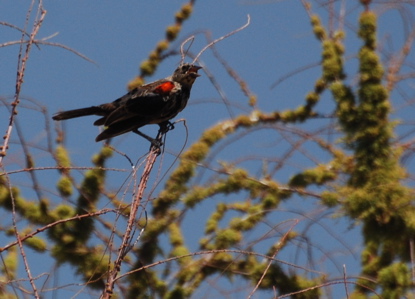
(153, 103)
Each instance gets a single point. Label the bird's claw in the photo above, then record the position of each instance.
(165, 127)
(170, 126)
(154, 142)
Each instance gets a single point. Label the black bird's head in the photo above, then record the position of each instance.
(186, 74)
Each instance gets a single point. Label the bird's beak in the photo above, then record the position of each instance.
(193, 70)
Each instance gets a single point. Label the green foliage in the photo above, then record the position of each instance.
(64, 186)
(395, 280)
(367, 28)
(62, 157)
(37, 244)
(318, 29)
(319, 176)
(375, 183)
(330, 199)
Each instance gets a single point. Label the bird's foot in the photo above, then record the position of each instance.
(154, 142)
(165, 127)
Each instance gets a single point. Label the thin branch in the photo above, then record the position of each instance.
(209, 252)
(329, 284)
(20, 73)
(125, 246)
(222, 38)
(39, 230)
(21, 67)
(60, 168)
(14, 27)
(345, 281)
(182, 51)
(281, 242)
(44, 42)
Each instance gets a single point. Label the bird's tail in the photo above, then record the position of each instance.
(94, 110)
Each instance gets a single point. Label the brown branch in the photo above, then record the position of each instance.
(43, 42)
(42, 229)
(209, 252)
(242, 83)
(345, 281)
(222, 38)
(21, 71)
(60, 168)
(329, 284)
(21, 67)
(281, 242)
(125, 246)
(19, 240)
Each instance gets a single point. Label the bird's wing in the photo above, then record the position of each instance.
(146, 102)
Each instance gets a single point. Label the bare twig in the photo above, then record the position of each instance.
(282, 241)
(19, 240)
(345, 281)
(182, 52)
(60, 168)
(222, 38)
(21, 67)
(21, 71)
(242, 83)
(14, 27)
(44, 42)
(329, 284)
(208, 252)
(39, 230)
(125, 246)
(28, 157)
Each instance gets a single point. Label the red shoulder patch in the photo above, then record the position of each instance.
(164, 88)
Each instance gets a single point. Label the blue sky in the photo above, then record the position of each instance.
(118, 35)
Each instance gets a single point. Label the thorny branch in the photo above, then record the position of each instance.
(21, 67)
(125, 246)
